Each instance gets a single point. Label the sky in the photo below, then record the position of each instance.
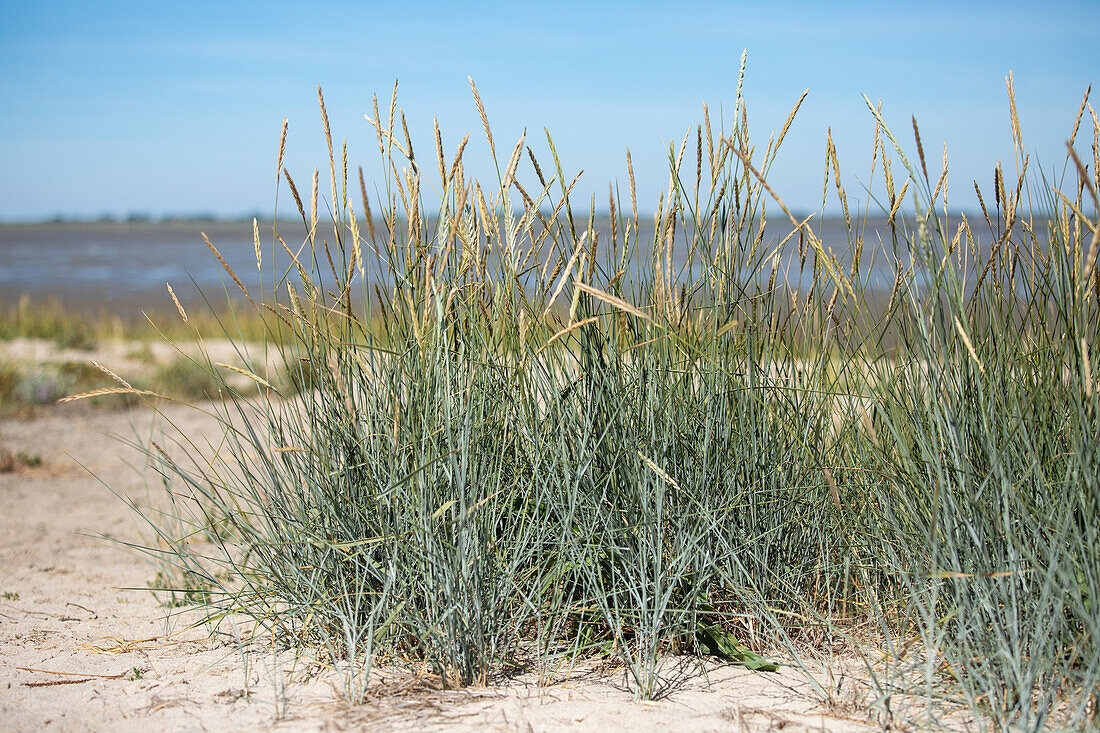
(175, 108)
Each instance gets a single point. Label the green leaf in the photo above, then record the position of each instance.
(713, 640)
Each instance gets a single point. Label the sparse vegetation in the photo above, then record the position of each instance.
(14, 461)
(75, 328)
(187, 379)
(177, 590)
(42, 385)
(25, 387)
(28, 385)
(536, 440)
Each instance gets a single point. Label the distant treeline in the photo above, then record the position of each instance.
(139, 217)
(144, 217)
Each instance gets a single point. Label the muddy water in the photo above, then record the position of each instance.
(123, 268)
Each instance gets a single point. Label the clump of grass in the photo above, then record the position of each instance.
(13, 461)
(992, 493)
(513, 437)
(187, 379)
(50, 320)
(143, 354)
(42, 385)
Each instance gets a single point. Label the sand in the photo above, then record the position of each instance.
(80, 650)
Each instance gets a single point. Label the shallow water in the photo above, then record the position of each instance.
(123, 268)
(119, 267)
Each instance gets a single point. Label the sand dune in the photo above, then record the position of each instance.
(80, 652)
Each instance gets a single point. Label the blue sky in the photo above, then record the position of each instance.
(176, 107)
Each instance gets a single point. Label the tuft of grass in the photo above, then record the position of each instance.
(187, 379)
(42, 385)
(11, 462)
(508, 436)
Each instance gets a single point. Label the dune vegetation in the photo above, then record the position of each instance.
(512, 439)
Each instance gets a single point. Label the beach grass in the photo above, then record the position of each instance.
(510, 440)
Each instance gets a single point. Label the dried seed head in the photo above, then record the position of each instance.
(456, 165)
(313, 207)
(538, 170)
(513, 162)
(377, 122)
(920, 148)
(790, 119)
(899, 200)
(1080, 113)
(366, 204)
(393, 110)
(256, 241)
(439, 154)
(941, 182)
(357, 254)
(226, 266)
(1095, 148)
(1017, 136)
(282, 148)
(613, 213)
(408, 141)
(294, 193)
(710, 141)
(343, 173)
(122, 381)
(325, 125)
(182, 312)
(484, 117)
(633, 192)
(698, 158)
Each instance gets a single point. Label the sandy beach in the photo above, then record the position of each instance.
(82, 647)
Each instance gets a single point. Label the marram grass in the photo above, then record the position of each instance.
(520, 438)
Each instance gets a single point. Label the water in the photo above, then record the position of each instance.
(119, 267)
(123, 268)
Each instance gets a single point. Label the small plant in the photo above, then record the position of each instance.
(143, 354)
(10, 596)
(76, 338)
(177, 589)
(42, 385)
